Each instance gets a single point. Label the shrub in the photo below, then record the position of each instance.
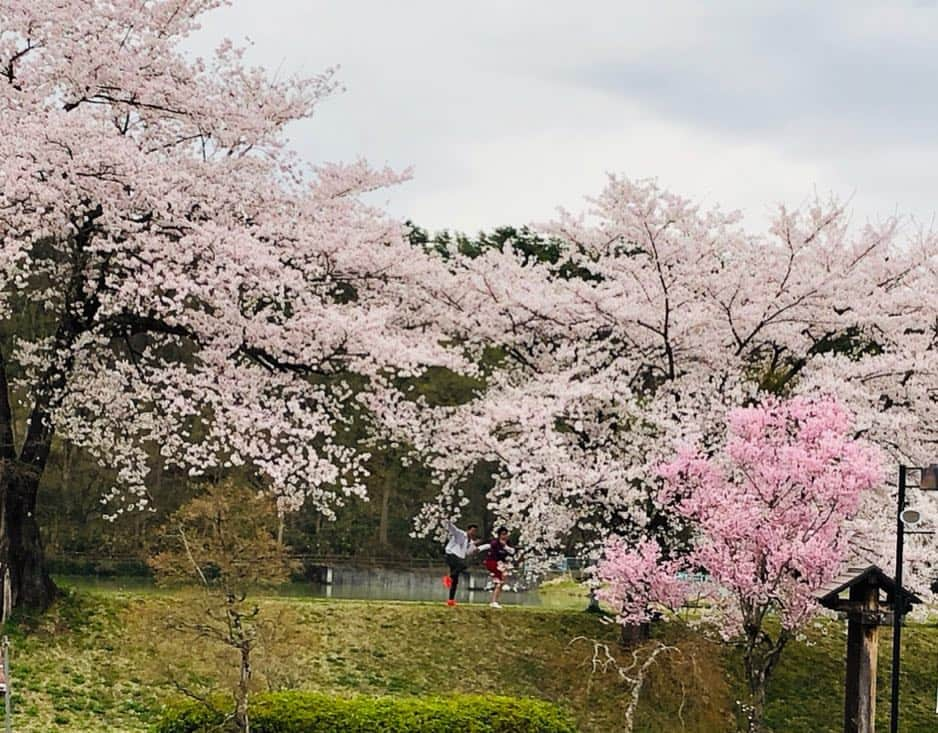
(101, 568)
(308, 712)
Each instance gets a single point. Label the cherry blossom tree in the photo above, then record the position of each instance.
(650, 318)
(204, 295)
(769, 514)
(636, 579)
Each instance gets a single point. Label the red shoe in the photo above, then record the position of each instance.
(447, 581)
(451, 602)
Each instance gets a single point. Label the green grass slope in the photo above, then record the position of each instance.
(106, 662)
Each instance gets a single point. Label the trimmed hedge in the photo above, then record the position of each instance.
(101, 568)
(310, 712)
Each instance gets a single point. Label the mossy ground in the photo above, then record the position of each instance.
(107, 662)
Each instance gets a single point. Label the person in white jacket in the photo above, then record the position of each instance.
(459, 547)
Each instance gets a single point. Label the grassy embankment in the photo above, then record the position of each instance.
(103, 662)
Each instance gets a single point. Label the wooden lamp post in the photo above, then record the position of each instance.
(866, 610)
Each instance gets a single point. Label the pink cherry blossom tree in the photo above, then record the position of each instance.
(634, 579)
(203, 295)
(770, 514)
(654, 318)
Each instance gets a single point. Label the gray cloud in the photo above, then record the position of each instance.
(507, 109)
(792, 73)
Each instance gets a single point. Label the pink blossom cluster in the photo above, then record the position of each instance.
(769, 515)
(636, 579)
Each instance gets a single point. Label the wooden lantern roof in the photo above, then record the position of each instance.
(870, 576)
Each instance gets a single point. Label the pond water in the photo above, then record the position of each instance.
(355, 583)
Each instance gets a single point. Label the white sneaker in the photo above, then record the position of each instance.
(495, 604)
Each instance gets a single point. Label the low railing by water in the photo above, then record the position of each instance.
(396, 562)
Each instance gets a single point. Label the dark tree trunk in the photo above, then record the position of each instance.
(242, 719)
(756, 711)
(385, 514)
(385, 473)
(760, 656)
(240, 638)
(633, 634)
(21, 549)
(20, 544)
(593, 606)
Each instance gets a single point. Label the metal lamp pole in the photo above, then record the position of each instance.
(897, 607)
(928, 481)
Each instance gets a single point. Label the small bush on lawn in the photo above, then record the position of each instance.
(308, 712)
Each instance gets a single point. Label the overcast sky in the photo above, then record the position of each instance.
(507, 109)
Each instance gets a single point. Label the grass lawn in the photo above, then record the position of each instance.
(107, 662)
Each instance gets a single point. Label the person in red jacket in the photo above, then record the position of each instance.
(498, 552)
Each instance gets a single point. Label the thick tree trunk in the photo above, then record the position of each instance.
(20, 544)
(21, 549)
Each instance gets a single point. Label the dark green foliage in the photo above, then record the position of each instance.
(308, 712)
(439, 386)
(533, 246)
(102, 568)
(780, 371)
